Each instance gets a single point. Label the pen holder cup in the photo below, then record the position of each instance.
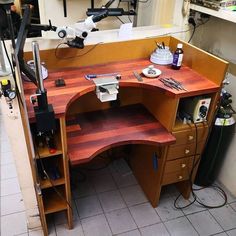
(162, 56)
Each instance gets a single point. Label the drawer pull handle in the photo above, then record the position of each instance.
(183, 165)
(190, 137)
(187, 151)
(180, 177)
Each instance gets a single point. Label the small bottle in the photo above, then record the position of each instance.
(178, 57)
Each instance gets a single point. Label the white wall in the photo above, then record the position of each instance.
(219, 37)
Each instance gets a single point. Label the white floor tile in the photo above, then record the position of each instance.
(6, 158)
(154, 230)
(221, 234)
(103, 183)
(204, 223)
(231, 232)
(124, 180)
(225, 216)
(180, 227)
(169, 191)
(230, 197)
(130, 233)
(144, 215)
(120, 221)
(122, 173)
(96, 225)
(5, 147)
(10, 186)
(83, 189)
(12, 204)
(61, 217)
(111, 201)
(36, 233)
(233, 205)
(166, 209)
(88, 206)
(209, 196)
(193, 208)
(13, 224)
(63, 230)
(8, 171)
(133, 195)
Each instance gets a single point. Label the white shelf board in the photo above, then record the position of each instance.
(222, 14)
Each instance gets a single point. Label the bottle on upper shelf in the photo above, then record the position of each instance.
(178, 57)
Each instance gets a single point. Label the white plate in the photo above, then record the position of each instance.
(150, 75)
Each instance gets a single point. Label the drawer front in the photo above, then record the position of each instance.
(184, 150)
(189, 136)
(177, 170)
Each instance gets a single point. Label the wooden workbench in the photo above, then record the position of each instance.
(145, 115)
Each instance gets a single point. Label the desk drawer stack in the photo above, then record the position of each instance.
(180, 156)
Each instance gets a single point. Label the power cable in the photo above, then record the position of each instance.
(78, 55)
(194, 195)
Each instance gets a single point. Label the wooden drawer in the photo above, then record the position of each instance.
(177, 170)
(184, 150)
(189, 135)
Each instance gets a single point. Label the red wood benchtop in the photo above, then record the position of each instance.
(77, 85)
(94, 132)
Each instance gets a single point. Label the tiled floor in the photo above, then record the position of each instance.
(110, 202)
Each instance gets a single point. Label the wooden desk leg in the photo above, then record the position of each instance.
(147, 163)
(66, 171)
(184, 187)
(42, 216)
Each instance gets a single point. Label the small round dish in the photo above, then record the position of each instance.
(151, 73)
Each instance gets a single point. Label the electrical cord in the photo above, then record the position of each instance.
(194, 195)
(78, 55)
(194, 29)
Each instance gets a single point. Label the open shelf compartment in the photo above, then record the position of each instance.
(94, 132)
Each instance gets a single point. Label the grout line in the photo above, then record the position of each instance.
(16, 212)
(216, 219)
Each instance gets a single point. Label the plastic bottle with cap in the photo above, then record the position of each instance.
(178, 57)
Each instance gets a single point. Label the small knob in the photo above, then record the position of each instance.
(183, 165)
(62, 33)
(180, 177)
(187, 151)
(190, 137)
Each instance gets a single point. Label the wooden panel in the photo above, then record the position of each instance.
(101, 130)
(184, 186)
(177, 170)
(184, 150)
(52, 201)
(164, 108)
(148, 176)
(202, 62)
(89, 101)
(189, 136)
(77, 85)
(101, 53)
(47, 184)
(66, 172)
(178, 165)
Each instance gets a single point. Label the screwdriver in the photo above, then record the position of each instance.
(93, 76)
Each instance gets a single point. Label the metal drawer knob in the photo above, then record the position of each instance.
(190, 137)
(180, 177)
(186, 151)
(183, 165)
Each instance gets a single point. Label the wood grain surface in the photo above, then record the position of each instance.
(77, 85)
(94, 132)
